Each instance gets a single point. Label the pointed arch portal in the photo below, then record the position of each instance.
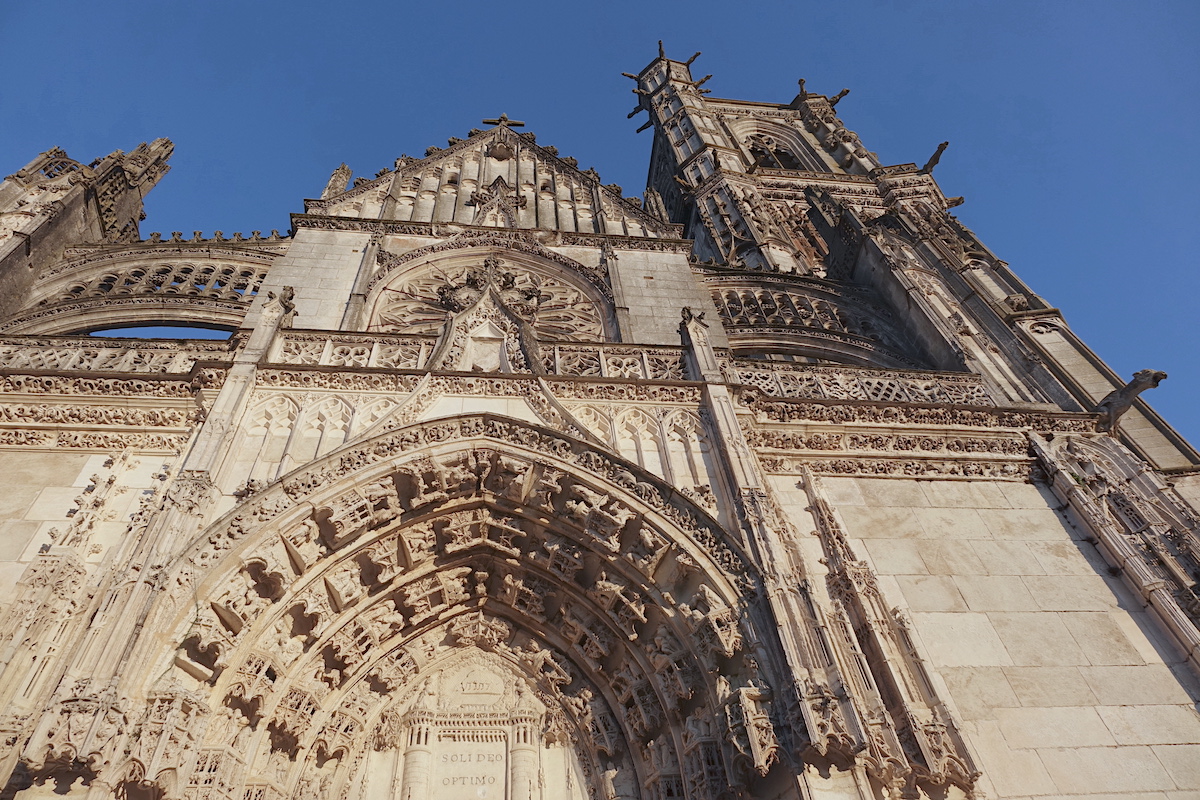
(468, 608)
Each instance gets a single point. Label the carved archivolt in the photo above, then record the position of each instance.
(327, 613)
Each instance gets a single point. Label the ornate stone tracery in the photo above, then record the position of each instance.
(419, 301)
(502, 489)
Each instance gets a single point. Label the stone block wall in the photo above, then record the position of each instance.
(1064, 683)
(46, 495)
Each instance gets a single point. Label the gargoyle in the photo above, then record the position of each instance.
(1117, 402)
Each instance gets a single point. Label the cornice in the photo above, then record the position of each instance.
(768, 410)
(235, 310)
(441, 230)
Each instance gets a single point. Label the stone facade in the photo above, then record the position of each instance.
(773, 483)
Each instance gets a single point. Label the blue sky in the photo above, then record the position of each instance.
(1073, 125)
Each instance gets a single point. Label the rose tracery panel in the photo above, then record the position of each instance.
(419, 304)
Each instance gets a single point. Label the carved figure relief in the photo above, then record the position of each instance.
(453, 574)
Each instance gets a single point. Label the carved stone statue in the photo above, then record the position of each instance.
(337, 182)
(1118, 401)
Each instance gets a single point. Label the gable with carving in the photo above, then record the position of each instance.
(496, 178)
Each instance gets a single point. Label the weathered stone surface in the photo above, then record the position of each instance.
(774, 482)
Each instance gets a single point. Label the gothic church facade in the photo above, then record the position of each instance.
(772, 483)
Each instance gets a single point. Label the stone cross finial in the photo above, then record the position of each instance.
(503, 121)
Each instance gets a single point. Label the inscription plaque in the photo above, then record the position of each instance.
(470, 770)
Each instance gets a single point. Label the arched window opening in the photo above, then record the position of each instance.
(767, 152)
(164, 331)
(60, 166)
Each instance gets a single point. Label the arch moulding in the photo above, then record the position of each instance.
(479, 601)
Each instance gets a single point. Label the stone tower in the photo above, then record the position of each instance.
(773, 483)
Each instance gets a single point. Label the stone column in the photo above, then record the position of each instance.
(522, 762)
(418, 760)
(213, 439)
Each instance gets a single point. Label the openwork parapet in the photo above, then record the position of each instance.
(375, 351)
(62, 354)
(852, 383)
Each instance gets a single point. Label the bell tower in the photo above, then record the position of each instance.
(55, 201)
(817, 252)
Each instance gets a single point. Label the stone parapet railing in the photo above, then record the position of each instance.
(80, 354)
(369, 351)
(858, 383)
(394, 351)
(616, 361)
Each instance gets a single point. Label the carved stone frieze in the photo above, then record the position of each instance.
(64, 414)
(340, 381)
(840, 412)
(901, 468)
(558, 238)
(95, 440)
(70, 385)
(508, 386)
(1011, 445)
